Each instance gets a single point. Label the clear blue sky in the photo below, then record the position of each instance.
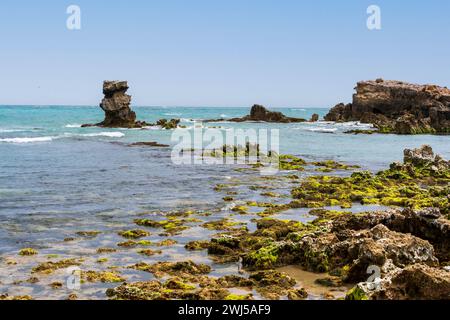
(217, 52)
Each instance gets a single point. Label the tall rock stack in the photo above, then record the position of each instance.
(116, 105)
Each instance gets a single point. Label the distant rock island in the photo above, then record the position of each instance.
(261, 114)
(116, 105)
(397, 107)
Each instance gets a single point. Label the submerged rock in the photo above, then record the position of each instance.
(149, 144)
(168, 124)
(397, 107)
(116, 105)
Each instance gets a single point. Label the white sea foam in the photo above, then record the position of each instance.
(324, 130)
(151, 128)
(73, 125)
(188, 120)
(27, 140)
(354, 124)
(105, 134)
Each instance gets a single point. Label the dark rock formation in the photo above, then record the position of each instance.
(397, 107)
(116, 105)
(260, 113)
(314, 118)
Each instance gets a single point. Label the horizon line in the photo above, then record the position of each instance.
(156, 106)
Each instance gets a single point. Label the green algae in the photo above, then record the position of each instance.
(155, 290)
(392, 187)
(50, 267)
(238, 297)
(263, 258)
(171, 226)
(101, 276)
(197, 245)
(223, 224)
(28, 252)
(330, 165)
(132, 243)
(297, 294)
(182, 269)
(166, 243)
(106, 250)
(134, 234)
(291, 163)
(178, 284)
(356, 293)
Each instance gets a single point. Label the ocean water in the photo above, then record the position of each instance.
(57, 178)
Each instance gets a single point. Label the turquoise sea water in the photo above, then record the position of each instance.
(57, 178)
(54, 173)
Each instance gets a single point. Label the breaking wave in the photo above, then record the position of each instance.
(27, 139)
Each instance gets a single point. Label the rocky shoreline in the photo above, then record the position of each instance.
(407, 247)
(397, 107)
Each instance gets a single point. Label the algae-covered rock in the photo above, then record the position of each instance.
(182, 269)
(101, 276)
(134, 234)
(28, 252)
(50, 266)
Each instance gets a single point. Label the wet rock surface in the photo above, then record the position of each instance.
(397, 107)
(244, 247)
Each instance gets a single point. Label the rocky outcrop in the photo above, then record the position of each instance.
(356, 250)
(314, 118)
(415, 282)
(261, 114)
(428, 224)
(116, 105)
(168, 124)
(397, 107)
(424, 157)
